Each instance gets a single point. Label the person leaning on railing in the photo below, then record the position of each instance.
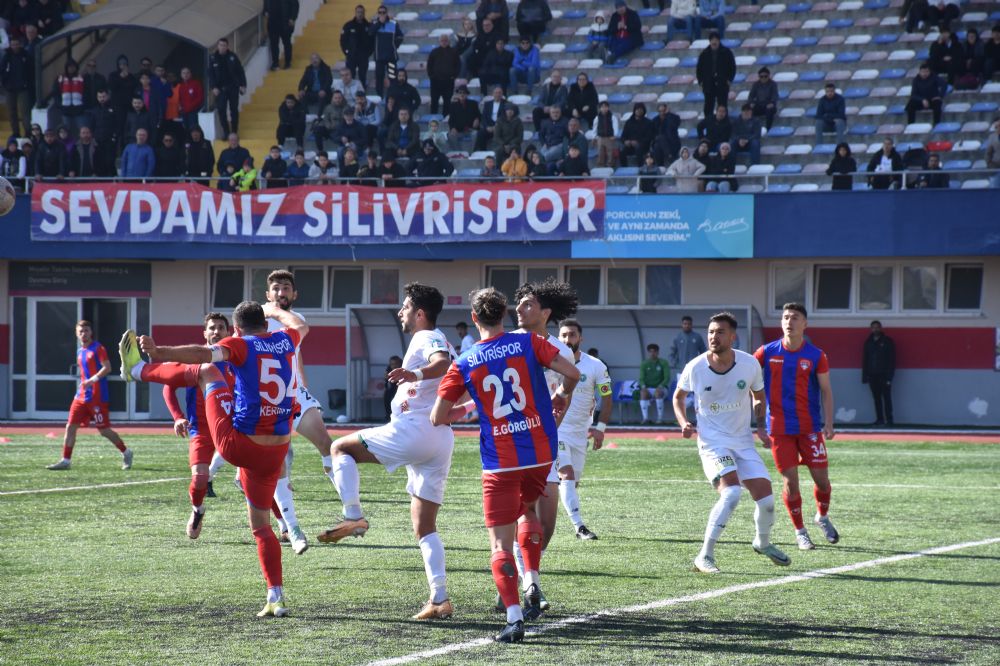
(842, 167)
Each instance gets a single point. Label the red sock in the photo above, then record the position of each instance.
(120, 445)
(531, 548)
(67, 452)
(176, 375)
(794, 505)
(822, 500)
(269, 553)
(198, 488)
(505, 576)
(276, 510)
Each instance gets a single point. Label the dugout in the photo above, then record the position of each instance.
(619, 333)
(174, 33)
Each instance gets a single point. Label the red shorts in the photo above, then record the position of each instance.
(506, 495)
(793, 450)
(84, 414)
(200, 449)
(260, 465)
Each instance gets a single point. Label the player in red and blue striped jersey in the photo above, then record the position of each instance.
(252, 424)
(90, 404)
(504, 375)
(799, 417)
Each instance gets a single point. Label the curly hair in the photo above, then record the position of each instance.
(211, 316)
(426, 298)
(489, 305)
(558, 297)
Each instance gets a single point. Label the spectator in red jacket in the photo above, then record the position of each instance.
(192, 97)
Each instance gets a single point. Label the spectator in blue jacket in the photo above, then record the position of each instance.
(387, 37)
(527, 66)
(139, 160)
(926, 94)
(831, 114)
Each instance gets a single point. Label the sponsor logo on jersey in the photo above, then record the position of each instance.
(718, 407)
(776, 359)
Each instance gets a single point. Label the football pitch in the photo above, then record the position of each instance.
(103, 573)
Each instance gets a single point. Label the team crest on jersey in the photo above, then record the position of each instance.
(405, 407)
(805, 364)
(412, 393)
(741, 385)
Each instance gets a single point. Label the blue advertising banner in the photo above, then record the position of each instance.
(665, 226)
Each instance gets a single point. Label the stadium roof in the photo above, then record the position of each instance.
(198, 21)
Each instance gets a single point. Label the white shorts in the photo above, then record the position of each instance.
(717, 461)
(424, 449)
(305, 402)
(572, 453)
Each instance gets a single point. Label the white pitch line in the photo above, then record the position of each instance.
(703, 482)
(99, 485)
(702, 596)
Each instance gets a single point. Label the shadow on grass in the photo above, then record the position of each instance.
(919, 581)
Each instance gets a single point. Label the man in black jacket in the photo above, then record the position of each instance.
(464, 117)
(50, 160)
(85, 159)
(926, 94)
(443, 66)
(200, 156)
(316, 83)
(281, 16)
(405, 93)
(484, 43)
(17, 77)
(104, 121)
(432, 167)
(357, 45)
(553, 93)
(716, 129)
(387, 37)
(878, 365)
(228, 81)
(715, 71)
(667, 144)
(170, 158)
(234, 155)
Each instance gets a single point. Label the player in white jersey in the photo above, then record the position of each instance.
(577, 425)
(722, 381)
(538, 303)
(408, 439)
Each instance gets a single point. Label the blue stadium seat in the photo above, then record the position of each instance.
(644, 13)
(857, 93)
(546, 64)
(957, 165)
(430, 16)
(885, 38)
(767, 60)
(578, 47)
(574, 14)
(892, 74)
(811, 112)
(824, 149)
(784, 93)
(946, 128)
(653, 46)
(70, 16)
(805, 41)
(424, 84)
(656, 80)
(896, 110)
(923, 54)
(696, 96)
(740, 77)
(464, 2)
(840, 23)
(984, 107)
(848, 56)
(780, 130)
(426, 48)
(621, 63)
(799, 8)
(468, 172)
(815, 75)
(620, 98)
(861, 130)
(616, 189)
(427, 117)
(995, 16)
(732, 43)
(689, 61)
(626, 171)
(765, 26)
(876, 4)
(779, 187)
(785, 169)
(393, 3)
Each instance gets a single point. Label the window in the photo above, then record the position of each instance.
(505, 279)
(347, 286)
(920, 287)
(587, 282)
(384, 286)
(258, 284)
(875, 287)
(227, 287)
(623, 286)
(965, 287)
(789, 285)
(309, 284)
(540, 274)
(833, 288)
(663, 285)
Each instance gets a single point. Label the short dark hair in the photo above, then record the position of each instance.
(763, 70)
(874, 321)
(426, 298)
(212, 316)
(687, 318)
(222, 39)
(747, 107)
(572, 323)
(84, 322)
(249, 316)
(831, 85)
(461, 324)
(925, 65)
(489, 305)
(796, 307)
(726, 317)
(281, 275)
(559, 297)
(713, 35)
(652, 346)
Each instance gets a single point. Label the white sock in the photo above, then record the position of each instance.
(348, 481)
(763, 519)
(136, 371)
(659, 408)
(514, 613)
(282, 527)
(530, 578)
(288, 462)
(518, 560)
(432, 551)
(283, 496)
(729, 497)
(217, 462)
(200, 508)
(644, 406)
(274, 594)
(571, 501)
(328, 469)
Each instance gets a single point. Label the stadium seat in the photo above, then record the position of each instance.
(967, 145)
(791, 112)
(873, 110)
(885, 38)
(800, 8)
(847, 56)
(666, 63)
(976, 126)
(779, 187)
(773, 9)
(857, 40)
(602, 172)
(616, 189)
(574, 14)
(939, 146)
(578, 47)
(857, 93)
(780, 131)
(590, 63)
(805, 187)
(917, 128)
(831, 40)
(841, 23)
(806, 41)
(620, 98)
(430, 16)
(799, 148)
(815, 168)
(695, 96)
(865, 74)
(890, 129)
(788, 169)
(760, 170)
(984, 107)
(626, 171)
(553, 48)
(946, 128)
(656, 80)
(903, 54)
(645, 98)
(691, 61)
(957, 165)
(764, 26)
(976, 184)
(874, 5)
(779, 42)
(815, 24)
(752, 188)
(671, 97)
(874, 56)
(820, 58)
